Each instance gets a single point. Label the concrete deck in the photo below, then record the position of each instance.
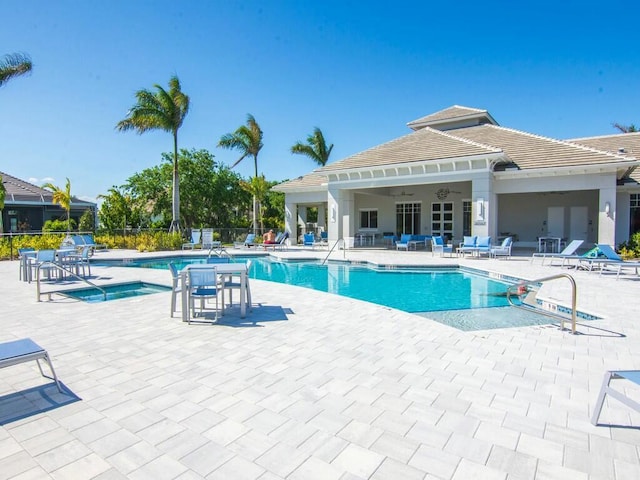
(315, 386)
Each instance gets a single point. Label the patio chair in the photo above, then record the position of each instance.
(45, 261)
(504, 250)
(176, 286)
(606, 389)
(24, 256)
(89, 241)
(438, 246)
(233, 282)
(610, 259)
(403, 243)
(309, 240)
(79, 261)
(202, 285)
(207, 239)
(468, 245)
(248, 242)
(568, 253)
(194, 240)
(26, 350)
(281, 242)
(483, 245)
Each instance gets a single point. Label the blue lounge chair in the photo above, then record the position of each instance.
(194, 240)
(248, 242)
(610, 259)
(468, 245)
(309, 240)
(403, 243)
(280, 242)
(438, 245)
(606, 389)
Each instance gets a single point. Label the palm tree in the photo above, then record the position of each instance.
(626, 128)
(315, 148)
(13, 65)
(166, 111)
(248, 139)
(62, 198)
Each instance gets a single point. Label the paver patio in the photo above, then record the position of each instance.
(316, 386)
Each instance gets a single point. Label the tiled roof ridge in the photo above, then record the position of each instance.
(466, 140)
(595, 137)
(22, 184)
(560, 142)
(479, 110)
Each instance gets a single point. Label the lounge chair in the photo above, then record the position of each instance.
(89, 241)
(207, 239)
(194, 240)
(438, 246)
(26, 350)
(248, 242)
(610, 259)
(630, 375)
(280, 242)
(503, 250)
(568, 253)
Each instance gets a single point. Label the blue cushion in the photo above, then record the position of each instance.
(469, 241)
(438, 240)
(406, 237)
(483, 242)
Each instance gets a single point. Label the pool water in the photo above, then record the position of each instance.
(115, 292)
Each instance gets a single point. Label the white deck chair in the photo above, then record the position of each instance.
(568, 253)
(606, 389)
(26, 350)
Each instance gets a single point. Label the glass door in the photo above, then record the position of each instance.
(408, 218)
(442, 220)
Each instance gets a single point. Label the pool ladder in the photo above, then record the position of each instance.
(530, 298)
(69, 272)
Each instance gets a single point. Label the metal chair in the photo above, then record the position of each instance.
(630, 375)
(202, 285)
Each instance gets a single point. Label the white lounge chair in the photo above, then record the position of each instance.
(568, 253)
(606, 389)
(194, 240)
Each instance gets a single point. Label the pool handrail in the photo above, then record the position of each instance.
(517, 288)
(69, 272)
(333, 248)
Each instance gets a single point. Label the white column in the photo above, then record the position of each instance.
(607, 216)
(322, 209)
(290, 219)
(341, 214)
(302, 218)
(484, 209)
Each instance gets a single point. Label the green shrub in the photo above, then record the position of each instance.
(631, 249)
(57, 225)
(37, 242)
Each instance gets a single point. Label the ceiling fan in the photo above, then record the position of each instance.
(402, 194)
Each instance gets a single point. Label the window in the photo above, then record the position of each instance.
(408, 218)
(369, 219)
(466, 217)
(634, 213)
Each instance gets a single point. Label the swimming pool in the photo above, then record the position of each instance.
(463, 298)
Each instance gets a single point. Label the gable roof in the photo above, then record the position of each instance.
(627, 144)
(451, 117)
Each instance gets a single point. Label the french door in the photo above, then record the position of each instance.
(408, 218)
(442, 220)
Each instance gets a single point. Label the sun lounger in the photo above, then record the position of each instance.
(26, 350)
(249, 241)
(568, 253)
(194, 240)
(280, 242)
(610, 260)
(606, 389)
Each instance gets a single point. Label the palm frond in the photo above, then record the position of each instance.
(13, 65)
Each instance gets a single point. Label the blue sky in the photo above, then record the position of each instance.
(358, 70)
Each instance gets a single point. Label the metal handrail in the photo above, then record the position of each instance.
(332, 249)
(60, 268)
(518, 286)
(220, 251)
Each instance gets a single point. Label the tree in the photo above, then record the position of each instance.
(14, 65)
(166, 111)
(315, 148)
(626, 128)
(258, 188)
(62, 198)
(117, 210)
(248, 140)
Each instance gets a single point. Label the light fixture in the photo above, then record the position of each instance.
(333, 213)
(607, 207)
